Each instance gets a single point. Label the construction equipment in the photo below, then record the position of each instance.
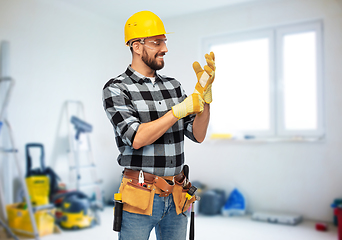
(38, 183)
(189, 195)
(21, 218)
(42, 182)
(117, 212)
(13, 150)
(6, 86)
(80, 153)
(77, 211)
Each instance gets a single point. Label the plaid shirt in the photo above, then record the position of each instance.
(131, 99)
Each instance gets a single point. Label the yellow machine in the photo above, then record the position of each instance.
(38, 188)
(41, 182)
(37, 181)
(76, 220)
(77, 211)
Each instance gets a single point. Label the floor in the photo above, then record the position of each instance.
(218, 227)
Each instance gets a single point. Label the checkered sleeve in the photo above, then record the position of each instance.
(188, 127)
(120, 111)
(188, 121)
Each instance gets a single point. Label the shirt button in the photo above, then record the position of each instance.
(159, 103)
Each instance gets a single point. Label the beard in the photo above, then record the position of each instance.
(152, 62)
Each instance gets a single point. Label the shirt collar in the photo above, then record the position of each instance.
(137, 77)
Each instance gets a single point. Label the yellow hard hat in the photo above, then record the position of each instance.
(143, 24)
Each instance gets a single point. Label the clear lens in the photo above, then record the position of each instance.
(158, 42)
(155, 44)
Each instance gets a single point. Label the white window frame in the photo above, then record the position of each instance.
(301, 28)
(275, 34)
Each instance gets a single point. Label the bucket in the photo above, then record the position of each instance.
(338, 214)
(20, 223)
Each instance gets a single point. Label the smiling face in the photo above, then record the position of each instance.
(154, 49)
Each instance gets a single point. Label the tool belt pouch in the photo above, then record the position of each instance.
(164, 186)
(179, 197)
(136, 198)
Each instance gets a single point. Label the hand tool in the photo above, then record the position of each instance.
(117, 212)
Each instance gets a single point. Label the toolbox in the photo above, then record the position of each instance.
(20, 223)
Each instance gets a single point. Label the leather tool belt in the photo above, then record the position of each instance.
(138, 197)
(164, 185)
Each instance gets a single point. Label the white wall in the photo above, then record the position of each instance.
(60, 53)
(301, 178)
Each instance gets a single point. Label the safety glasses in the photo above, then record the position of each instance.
(151, 44)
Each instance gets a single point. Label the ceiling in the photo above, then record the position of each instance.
(123, 9)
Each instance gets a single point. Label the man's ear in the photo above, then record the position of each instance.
(137, 48)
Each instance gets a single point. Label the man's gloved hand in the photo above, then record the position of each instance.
(192, 104)
(205, 77)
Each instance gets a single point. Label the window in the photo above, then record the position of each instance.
(268, 83)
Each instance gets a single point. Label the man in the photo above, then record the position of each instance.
(151, 114)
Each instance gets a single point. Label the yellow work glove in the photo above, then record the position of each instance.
(192, 104)
(205, 77)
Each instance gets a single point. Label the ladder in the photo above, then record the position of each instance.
(6, 85)
(81, 160)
